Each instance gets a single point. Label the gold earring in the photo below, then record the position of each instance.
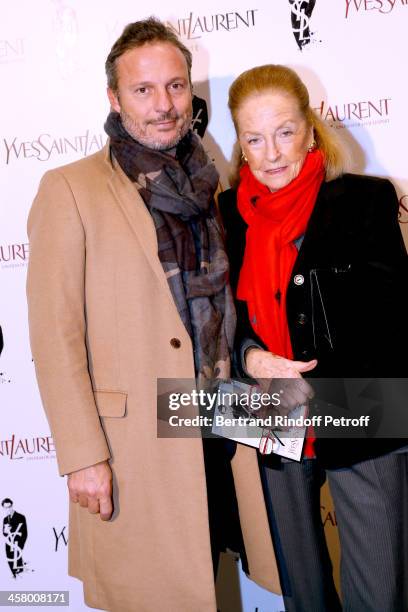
(244, 158)
(312, 146)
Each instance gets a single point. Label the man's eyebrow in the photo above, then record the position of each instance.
(152, 83)
(178, 78)
(141, 84)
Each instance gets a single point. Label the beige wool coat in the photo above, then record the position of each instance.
(102, 329)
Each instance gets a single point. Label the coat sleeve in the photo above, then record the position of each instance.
(56, 309)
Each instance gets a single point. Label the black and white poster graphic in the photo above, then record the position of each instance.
(15, 533)
(301, 12)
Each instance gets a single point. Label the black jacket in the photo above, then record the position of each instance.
(347, 293)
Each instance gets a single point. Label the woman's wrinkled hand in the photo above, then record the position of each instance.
(276, 374)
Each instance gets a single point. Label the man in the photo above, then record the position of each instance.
(15, 532)
(127, 284)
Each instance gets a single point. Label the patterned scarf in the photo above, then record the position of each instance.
(179, 193)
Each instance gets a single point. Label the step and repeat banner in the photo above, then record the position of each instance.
(52, 53)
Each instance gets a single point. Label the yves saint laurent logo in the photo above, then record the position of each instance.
(45, 146)
(357, 113)
(35, 448)
(301, 12)
(15, 533)
(195, 26)
(380, 6)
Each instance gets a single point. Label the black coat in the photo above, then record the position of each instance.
(347, 294)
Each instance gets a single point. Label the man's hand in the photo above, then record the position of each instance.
(92, 488)
(272, 372)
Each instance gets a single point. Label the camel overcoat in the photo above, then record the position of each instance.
(102, 329)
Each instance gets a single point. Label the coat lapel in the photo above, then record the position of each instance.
(130, 202)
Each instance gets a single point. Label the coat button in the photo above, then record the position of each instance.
(175, 343)
(301, 319)
(299, 279)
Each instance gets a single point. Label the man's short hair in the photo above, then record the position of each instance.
(137, 34)
(6, 500)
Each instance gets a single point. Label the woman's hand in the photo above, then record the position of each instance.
(277, 374)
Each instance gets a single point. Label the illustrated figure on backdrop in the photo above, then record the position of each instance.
(15, 532)
(318, 266)
(137, 290)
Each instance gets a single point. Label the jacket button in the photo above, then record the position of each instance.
(299, 279)
(301, 319)
(175, 343)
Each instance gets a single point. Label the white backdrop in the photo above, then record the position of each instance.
(52, 55)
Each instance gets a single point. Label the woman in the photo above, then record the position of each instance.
(319, 269)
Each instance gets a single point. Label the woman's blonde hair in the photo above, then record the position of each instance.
(281, 79)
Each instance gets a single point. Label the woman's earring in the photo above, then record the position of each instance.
(244, 158)
(312, 146)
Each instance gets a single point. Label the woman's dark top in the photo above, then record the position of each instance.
(347, 297)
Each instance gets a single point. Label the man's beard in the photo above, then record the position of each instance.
(138, 133)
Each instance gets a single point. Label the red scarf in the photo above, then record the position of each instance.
(275, 220)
